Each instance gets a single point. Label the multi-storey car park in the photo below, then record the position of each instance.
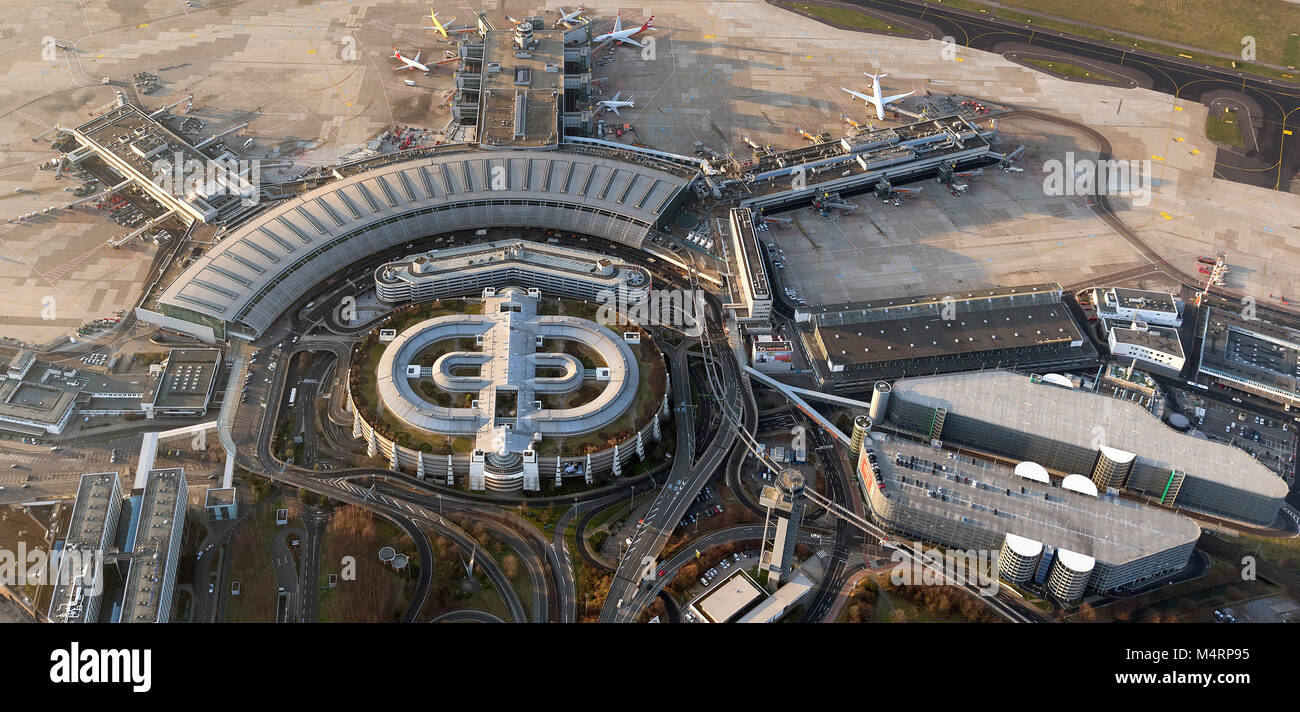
(467, 270)
(1116, 443)
(1251, 355)
(505, 417)
(1062, 535)
(853, 345)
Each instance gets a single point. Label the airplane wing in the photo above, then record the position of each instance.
(617, 94)
(896, 97)
(858, 95)
(615, 110)
(417, 57)
(631, 41)
(602, 45)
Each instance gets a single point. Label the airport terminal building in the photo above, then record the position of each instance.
(854, 345)
(1115, 443)
(239, 286)
(555, 270)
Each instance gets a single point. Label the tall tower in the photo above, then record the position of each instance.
(861, 427)
(784, 503)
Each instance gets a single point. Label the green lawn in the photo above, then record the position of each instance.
(1214, 40)
(1222, 126)
(841, 16)
(1067, 69)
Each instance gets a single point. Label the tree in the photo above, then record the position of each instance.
(510, 564)
(1086, 613)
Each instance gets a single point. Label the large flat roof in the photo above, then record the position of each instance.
(922, 336)
(153, 546)
(186, 382)
(1251, 350)
(1015, 402)
(252, 274)
(522, 74)
(95, 493)
(1111, 529)
(728, 597)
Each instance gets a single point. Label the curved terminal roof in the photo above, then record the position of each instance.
(1027, 548)
(1074, 561)
(1080, 484)
(1033, 471)
(275, 258)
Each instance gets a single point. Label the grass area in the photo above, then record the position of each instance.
(1118, 37)
(877, 600)
(1283, 552)
(1223, 127)
(378, 594)
(508, 561)
(447, 592)
(841, 16)
(1208, 24)
(960, 5)
(591, 585)
(1188, 601)
(251, 563)
(545, 517)
(1067, 69)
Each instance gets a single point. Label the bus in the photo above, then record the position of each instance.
(293, 395)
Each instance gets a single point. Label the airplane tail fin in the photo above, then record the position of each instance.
(648, 23)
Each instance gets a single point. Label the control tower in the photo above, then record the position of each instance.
(784, 502)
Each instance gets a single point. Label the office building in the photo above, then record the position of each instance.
(156, 551)
(79, 582)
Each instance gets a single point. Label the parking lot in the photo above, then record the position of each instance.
(1271, 442)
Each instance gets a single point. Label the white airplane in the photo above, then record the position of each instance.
(875, 99)
(570, 18)
(442, 27)
(408, 63)
(614, 104)
(620, 35)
